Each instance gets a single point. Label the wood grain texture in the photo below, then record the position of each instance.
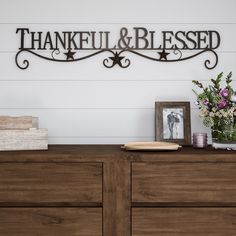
(183, 221)
(47, 184)
(181, 183)
(32, 139)
(21, 122)
(103, 153)
(51, 221)
(151, 146)
(31, 134)
(116, 199)
(72, 176)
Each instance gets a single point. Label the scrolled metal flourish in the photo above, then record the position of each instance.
(206, 63)
(117, 57)
(26, 62)
(55, 52)
(177, 51)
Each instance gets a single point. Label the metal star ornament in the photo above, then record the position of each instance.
(69, 55)
(163, 54)
(116, 59)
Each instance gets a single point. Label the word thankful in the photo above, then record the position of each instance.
(137, 38)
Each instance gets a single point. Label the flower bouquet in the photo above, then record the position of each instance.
(217, 106)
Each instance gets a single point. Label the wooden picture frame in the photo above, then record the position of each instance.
(173, 123)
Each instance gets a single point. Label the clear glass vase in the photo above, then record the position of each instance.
(224, 130)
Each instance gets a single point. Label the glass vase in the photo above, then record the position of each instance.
(224, 130)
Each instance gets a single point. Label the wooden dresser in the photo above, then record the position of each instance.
(87, 190)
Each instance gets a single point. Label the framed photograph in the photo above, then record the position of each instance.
(173, 122)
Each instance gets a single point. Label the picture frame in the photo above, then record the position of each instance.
(172, 122)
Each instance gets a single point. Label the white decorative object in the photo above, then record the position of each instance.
(22, 133)
(227, 146)
(21, 122)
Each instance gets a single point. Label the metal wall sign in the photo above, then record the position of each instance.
(159, 46)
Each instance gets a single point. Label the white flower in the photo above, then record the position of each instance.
(208, 121)
(204, 112)
(211, 114)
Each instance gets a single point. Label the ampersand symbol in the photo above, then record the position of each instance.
(124, 40)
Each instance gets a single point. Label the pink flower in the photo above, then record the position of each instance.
(222, 103)
(205, 102)
(224, 92)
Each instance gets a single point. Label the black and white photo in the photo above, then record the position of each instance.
(173, 123)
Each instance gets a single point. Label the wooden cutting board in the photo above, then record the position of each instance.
(151, 146)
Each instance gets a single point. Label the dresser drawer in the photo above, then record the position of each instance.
(183, 221)
(50, 183)
(51, 221)
(184, 182)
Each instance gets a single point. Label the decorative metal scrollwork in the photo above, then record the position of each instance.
(66, 46)
(118, 57)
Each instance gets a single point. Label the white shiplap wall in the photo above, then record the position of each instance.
(84, 102)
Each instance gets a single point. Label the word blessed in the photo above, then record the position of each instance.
(163, 46)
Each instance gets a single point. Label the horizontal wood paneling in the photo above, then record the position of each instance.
(84, 102)
(40, 184)
(51, 221)
(93, 94)
(90, 94)
(103, 125)
(185, 183)
(183, 221)
(122, 11)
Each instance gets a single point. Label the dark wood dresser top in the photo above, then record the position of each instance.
(103, 190)
(103, 153)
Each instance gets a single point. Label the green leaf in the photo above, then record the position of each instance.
(195, 92)
(219, 76)
(228, 80)
(197, 83)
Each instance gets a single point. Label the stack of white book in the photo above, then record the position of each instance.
(22, 133)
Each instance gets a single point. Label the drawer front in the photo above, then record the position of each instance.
(50, 183)
(183, 221)
(51, 221)
(184, 182)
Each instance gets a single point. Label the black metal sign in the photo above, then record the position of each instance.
(72, 46)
